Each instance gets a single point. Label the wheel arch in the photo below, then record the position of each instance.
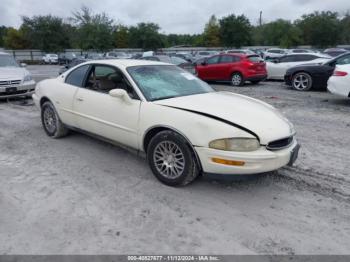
(43, 100)
(236, 71)
(153, 131)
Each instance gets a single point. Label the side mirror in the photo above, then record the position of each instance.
(276, 61)
(204, 63)
(23, 65)
(121, 94)
(66, 66)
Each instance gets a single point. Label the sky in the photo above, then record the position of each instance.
(173, 16)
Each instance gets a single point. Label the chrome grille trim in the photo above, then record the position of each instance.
(10, 82)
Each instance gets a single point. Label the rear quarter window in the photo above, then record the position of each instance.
(77, 76)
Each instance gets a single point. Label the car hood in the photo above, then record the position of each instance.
(12, 73)
(251, 115)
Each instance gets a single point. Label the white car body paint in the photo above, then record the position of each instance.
(199, 118)
(340, 85)
(278, 70)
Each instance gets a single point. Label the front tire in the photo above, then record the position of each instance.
(171, 159)
(302, 81)
(51, 122)
(237, 79)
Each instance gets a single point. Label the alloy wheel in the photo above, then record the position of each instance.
(301, 82)
(236, 80)
(169, 159)
(50, 120)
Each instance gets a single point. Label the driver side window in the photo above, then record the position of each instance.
(103, 79)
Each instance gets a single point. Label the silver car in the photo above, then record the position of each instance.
(15, 80)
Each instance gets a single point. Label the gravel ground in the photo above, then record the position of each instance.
(79, 195)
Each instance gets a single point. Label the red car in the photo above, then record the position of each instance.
(236, 68)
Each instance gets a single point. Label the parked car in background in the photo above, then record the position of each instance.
(117, 55)
(150, 107)
(199, 61)
(94, 56)
(73, 63)
(339, 82)
(236, 68)
(15, 80)
(277, 68)
(190, 67)
(66, 58)
(300, 51)
(274, 53)
(184, 55)
(314, 76)
(50, 59)
(240, 51)
(335, 51)
(204, 54)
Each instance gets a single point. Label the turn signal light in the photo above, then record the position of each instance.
(340, 73)
(228, 162)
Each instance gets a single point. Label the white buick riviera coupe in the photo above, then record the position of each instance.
(181, 124)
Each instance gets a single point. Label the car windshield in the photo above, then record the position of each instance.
(177, 60)
(158, 82)
(7, 61)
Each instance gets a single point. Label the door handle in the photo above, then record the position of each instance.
(80, 99)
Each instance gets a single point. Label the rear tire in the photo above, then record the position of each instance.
(302, 81)
(171, 159)
(52, 124)
(237, 79)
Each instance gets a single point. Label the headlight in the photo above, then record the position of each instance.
(28, 78)
(235, 144)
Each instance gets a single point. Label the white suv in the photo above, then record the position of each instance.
(14, 79)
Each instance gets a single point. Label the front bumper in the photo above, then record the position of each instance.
(256, 162)
(25, 89)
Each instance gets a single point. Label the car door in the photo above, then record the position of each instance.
(100, 113)
(279, 69)
(209, 70)
(65, 92)
(227, 65)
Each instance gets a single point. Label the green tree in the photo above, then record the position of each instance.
(45, 32)
(320, 29)
(345, 29)
(235, 31)
(3, 31)
(121, 36)
(211, 35)
(280, 32)
(146, 36)
(94, 30)
(14, 39)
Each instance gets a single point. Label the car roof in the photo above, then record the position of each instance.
(301, 54)
(124, 63)
(239, 54)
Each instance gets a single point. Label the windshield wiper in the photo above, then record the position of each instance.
(162, 98)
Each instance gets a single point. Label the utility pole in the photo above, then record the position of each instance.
(260, 19)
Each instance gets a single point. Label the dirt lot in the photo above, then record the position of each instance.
(78, 195)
